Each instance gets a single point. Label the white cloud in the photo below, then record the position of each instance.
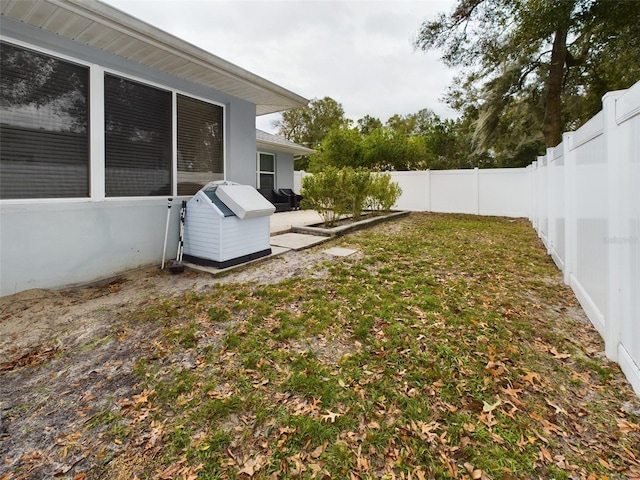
(357, 52)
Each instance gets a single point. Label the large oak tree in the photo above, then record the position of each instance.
(535, 68)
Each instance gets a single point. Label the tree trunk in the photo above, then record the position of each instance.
(552, 128)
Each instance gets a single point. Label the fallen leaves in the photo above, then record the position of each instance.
(490, 407)
(448, 366)
(627, 426)
(35, 356)
(532, 378)
(142, 397)
(330, 416)
(252, 465)
(552, 350)
(548, 427)
(474, 473)
(180, 471)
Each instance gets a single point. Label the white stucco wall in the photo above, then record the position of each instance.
(55, 243)
(49, 245)
(284, 170)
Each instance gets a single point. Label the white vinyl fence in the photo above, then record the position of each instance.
(586, 208)
(583, 199)
(496, 191)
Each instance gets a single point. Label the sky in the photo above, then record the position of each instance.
(357, 52)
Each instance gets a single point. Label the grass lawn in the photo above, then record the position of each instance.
(447, 348)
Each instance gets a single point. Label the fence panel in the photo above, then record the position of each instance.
(504, 192)
(416, 190)
(591, 273)
(542, 201)
(454, 191)
(623, 115)
(556, 206)
(298, 175)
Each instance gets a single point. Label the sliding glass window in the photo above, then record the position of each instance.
(200, 144)
(138, 146)
(44, 126)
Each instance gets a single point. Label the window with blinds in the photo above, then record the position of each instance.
(44, 126)
(200, 144)
(138, 139)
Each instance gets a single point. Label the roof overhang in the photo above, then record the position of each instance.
(274, 142)
(101, 26)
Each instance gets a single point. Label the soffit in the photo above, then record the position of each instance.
(106, 28)
(268, 140)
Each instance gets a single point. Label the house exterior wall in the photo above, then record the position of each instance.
(58, 242)
(284, 170)
(240, 164)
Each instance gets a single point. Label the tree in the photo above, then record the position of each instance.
(309, 125)
(434, 144)
(414, 123)
(341, 147)
(403, 125)
(368, 124)
(541, 64)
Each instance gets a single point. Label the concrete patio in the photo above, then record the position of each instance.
(283, 221)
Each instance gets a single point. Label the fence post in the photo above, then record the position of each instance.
(551, 200)
(569, 207)
(534, 194)
(531, 177)
(542, 199)
(428, 182)
(617, 231)
(476, 190)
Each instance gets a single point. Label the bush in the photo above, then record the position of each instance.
(383, 193)
(324, 192)
(333, 193)
(358, 183)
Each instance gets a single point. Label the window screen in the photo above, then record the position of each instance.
(266, 170)
(137, 139)
(200, 144)
(44, 142)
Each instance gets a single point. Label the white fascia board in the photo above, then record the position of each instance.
(279, 147)
(115, 19)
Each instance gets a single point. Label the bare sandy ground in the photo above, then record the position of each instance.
(66, 337)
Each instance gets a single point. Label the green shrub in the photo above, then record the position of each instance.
(383, 193)
(325, 193)
(333, 193)
(358, 183)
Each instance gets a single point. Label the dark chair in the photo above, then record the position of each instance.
(294, 198)
(281, 202)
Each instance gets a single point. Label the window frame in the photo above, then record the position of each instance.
(171, 122)
(97, 131)
(90, 125)
(175, 133)
(259, 171)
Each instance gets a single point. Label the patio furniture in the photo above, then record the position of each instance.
(281, 202)
(294, 198)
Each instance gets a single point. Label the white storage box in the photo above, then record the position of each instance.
(222, 233)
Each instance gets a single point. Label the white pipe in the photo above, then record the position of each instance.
(166, 233)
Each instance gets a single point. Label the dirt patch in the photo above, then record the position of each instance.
(68, 357)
